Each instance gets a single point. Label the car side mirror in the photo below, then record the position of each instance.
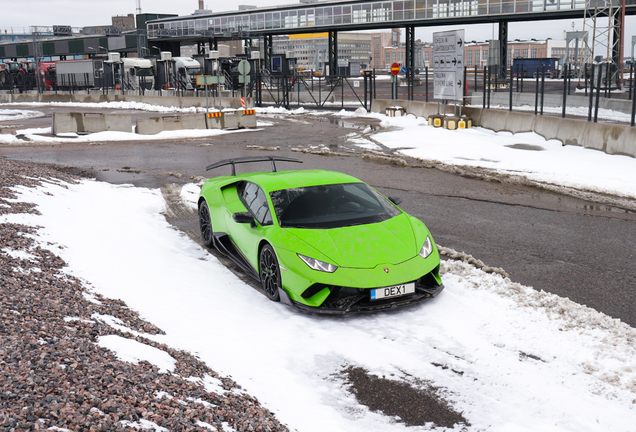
(395, 200)
(243, 217)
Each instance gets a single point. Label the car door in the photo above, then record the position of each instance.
(245, 235)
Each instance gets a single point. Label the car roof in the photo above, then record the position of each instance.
(278, 180)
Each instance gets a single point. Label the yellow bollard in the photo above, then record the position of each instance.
(436, 120)
(465, 122)
(450, 122)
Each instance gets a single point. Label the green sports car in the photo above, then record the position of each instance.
(321, 241)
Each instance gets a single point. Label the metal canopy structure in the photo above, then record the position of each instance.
(352, 15)
(356, 15)
(41, 47)
(168, 32)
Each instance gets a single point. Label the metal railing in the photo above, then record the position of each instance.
(540, 94)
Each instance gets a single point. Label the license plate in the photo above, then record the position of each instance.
(392, 291)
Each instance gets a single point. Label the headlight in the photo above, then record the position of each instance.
(318, 265)
(427, 249)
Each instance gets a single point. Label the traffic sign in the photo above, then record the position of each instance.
(448, 60)
(204, 80)
(403, 70)
(395, 69)
(210, 79)
(244, 67)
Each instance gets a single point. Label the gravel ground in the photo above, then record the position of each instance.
(53, 375)
(414, 404)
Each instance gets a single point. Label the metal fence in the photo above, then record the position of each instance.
(482, 86)
(598, 82)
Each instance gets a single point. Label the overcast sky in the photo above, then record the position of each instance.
(80, 13)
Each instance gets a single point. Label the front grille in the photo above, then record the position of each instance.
(348, 299)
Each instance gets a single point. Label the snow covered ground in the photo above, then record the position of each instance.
(524, 154)
(506, 356)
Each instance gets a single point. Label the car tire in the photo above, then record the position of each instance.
(205, 224)
(269, 272)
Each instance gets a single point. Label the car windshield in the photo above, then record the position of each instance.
(331, 206)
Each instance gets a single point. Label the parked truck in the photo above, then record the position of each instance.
(5, 77)
(527, 67)
(78, 74)
(186, 71)
(97, 72)
(138, 74)
(18, 74)
(48, 76)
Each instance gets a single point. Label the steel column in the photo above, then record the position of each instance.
(617, 47)
(268, 47)
(410, 60)
(333, 53)
(503, 49)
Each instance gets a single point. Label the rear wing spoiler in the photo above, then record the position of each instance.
(250, 159)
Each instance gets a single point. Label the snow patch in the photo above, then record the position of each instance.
(132, 351)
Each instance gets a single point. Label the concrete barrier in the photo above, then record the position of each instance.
(215, 120)
(90, 122)
(193, 121)
(149, 126)
(166, 99)
(238, 120)
(154, 125)
(609, 138)
(66, 122)
(52, 97)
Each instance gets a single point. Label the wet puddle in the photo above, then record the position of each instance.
(526, 147)
(604, 208)
(356, 123)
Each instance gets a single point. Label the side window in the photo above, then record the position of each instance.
(256, 202)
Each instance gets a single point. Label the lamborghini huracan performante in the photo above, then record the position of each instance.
(321, 241)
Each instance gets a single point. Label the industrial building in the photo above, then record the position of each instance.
(370, 50)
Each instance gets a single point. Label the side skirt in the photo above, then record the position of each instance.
(226, 246)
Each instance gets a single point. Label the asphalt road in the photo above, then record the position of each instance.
(573, 248)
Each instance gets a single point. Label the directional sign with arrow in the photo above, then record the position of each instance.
(448, 58)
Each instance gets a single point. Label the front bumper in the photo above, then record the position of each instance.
(345, 300)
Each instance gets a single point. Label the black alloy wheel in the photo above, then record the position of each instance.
(269, 272)
(205, 225)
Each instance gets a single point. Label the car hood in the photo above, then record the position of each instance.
(363, 246)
